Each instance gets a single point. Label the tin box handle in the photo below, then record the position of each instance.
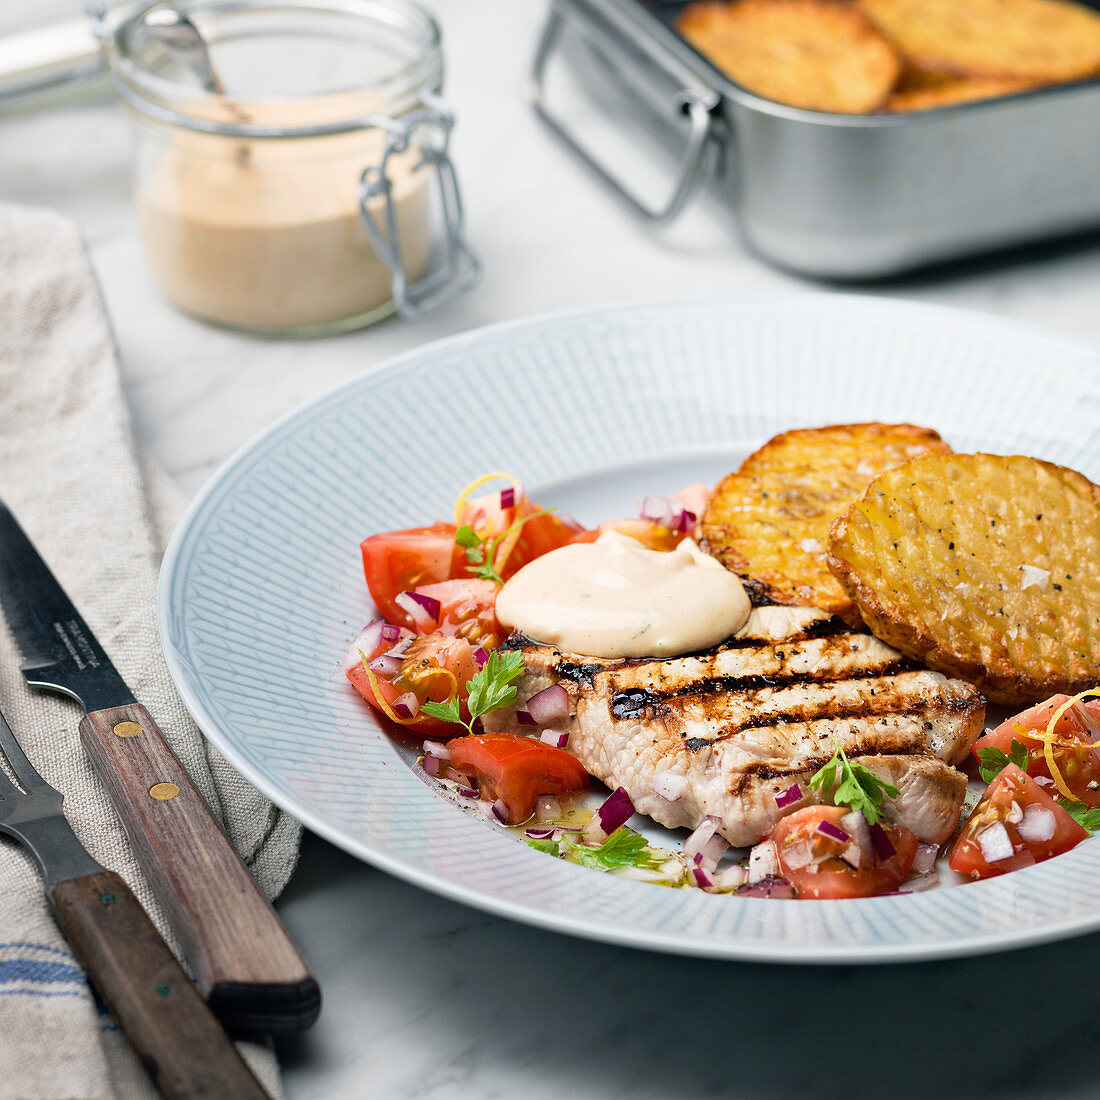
(696, 100)
(430, 128)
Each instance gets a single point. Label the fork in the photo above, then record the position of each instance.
(152, 1000)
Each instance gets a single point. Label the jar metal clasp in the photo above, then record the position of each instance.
(430, 128)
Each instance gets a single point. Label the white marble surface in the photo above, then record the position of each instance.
(424, 998)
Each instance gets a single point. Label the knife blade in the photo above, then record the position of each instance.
(246, 964)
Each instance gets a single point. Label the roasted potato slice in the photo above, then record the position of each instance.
(921, 90)
(823, 55)
(1045, 41)
(984, 567)
(769, 520)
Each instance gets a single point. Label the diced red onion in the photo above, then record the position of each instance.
(852, 855)
(763, 861)
(481, 655)
(391, 633)
(406, 706)
(855, 825)
(771, 887)
(835, 832)
(668, 512)
(925, 859)
(800, 854)
(706, 829)
(558, 738)
(423, 610)
(789, 796)
(366, 642)
(995, 843)
(616, 810)
(436, 749)
(385, 665)
(547, 808)
(701, 877)
(466, 792)
(404, 640)
(669, 785)
(549, 705)
(731, 877)
(921, 882)
(507, 498)
(523, 718)
(714, 849)
(1037, 824)
(544, 833)
(433, 766)
(500, 811)
(881, 842)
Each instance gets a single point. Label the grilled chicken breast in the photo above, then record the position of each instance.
(743, 722)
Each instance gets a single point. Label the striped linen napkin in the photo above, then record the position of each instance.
(69, 472)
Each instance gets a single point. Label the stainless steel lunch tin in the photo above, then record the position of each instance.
(838, 196)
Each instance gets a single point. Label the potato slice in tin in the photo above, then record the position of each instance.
(984, 567)
(1043, 41)
(823, 55)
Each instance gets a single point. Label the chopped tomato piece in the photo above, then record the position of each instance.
(536, 536)
(397, 561)
(653, 536)
(1078, 764)
(516, 770)
(467, 610)
(1015, 825)
(434, 667)
(832, 863)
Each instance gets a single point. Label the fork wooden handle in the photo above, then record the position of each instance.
(152, 1000)
(245, 962)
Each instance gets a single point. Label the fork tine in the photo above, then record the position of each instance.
(24, 770)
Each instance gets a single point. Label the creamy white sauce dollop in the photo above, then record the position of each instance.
(615, 598)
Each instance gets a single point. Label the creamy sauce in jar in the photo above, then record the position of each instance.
(615, 598)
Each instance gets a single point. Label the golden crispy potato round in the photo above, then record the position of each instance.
(769, 520)
(1037, 40)
(984, 567)
(823, 55)
(921, 90)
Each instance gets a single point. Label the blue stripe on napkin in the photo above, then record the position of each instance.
(39, 970)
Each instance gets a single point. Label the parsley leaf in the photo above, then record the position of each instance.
(489, 689)
(481, 553)
(451, 711)
(1088, 817)
(623, 848)
(993, 760)
(546, 844)
(859, 787)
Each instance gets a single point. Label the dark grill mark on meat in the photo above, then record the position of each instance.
(697, 743)
(863, 709)
(578, 673)
(826, 628)
(723, 685)
(517, 641)
(633, 703)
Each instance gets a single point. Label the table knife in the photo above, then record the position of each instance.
(245, 962)
(166, 1021)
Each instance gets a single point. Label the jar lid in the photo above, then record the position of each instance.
(289, 68)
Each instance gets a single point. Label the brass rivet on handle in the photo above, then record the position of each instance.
(163, 791)
(126, 729)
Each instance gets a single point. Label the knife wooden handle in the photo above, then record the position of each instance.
(247, 966)
(152, 1000)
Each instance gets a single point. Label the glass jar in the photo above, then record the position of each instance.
(292, 170)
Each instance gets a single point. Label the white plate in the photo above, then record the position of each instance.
(262, 588)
